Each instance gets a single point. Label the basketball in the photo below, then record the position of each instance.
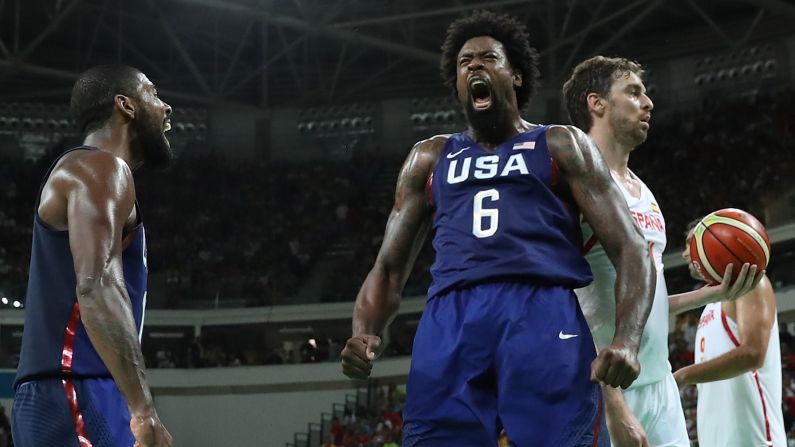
(728, 236)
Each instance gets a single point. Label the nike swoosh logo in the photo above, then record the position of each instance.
(455, 154)
(563, 336)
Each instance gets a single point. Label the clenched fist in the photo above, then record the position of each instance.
(358, 355)
(616, 365)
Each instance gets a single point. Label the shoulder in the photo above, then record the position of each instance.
(564, 137)
(425, 154)
(96, 171)
(432, 146)
(762, 291)
(94, 166)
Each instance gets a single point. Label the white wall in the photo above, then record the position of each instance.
(253, 406)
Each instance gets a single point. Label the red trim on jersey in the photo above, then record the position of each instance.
(728, 329)
(69, 339)
(764, 408)
(554, 172)
(429, 190)
(77, 417)
(67, 356)
(651, 255)
(586, 248)
(597, 427)
(736, 342)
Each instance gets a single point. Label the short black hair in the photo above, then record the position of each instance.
(693, 224)
(503, 28)
(94, 92)
(595, 75)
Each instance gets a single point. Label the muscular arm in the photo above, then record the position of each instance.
(756, 312)
(100, 196)
(379, 298)
(605, 209)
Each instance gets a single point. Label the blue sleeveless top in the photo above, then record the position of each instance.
(499, 216)
(54, 340)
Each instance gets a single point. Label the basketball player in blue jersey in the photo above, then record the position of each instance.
(606, 98)
(81, 379)
(502, 342)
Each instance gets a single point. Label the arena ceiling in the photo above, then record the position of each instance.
(277, 52)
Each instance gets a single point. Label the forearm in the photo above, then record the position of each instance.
(635, 284)
(377, 303)
(682, 302)
(109, 323)
(727, 366)
(614, 399)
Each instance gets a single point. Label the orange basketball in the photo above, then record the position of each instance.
(728, 236)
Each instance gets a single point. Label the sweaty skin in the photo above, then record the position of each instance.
(91, 194)
(484, 59)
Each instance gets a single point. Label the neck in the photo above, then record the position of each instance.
(615, 153)
(506, 125)
(114, 140)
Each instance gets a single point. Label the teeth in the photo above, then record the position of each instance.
(168, 126)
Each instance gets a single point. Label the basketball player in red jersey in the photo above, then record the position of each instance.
(81, 380)
(737, 365)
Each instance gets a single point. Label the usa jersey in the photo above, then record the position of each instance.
(498, 217)
(54, 340)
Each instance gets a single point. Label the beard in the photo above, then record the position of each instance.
(151, 142)
(628, 132)
(490, 123)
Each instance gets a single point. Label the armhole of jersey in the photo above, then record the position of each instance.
(728, 328)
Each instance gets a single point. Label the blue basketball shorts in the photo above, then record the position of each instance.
(506, 356)
(70, 413)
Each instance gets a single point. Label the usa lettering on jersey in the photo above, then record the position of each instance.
(485, 167)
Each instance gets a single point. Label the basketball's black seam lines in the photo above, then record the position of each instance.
(740, 261)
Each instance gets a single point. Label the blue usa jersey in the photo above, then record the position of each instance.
(54, 340)
(498, 217)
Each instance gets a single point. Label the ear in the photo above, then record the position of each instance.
(125, 106)
(596, 104)
(517, 79)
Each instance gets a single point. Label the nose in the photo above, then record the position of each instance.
(475, 64)
(647, 103)
(168, 109)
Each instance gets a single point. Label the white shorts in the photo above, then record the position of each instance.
(659, 409)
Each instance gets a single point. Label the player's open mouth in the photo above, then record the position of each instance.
(480, 92)
(166, 126)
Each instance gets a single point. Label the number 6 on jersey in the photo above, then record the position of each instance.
(490, 215)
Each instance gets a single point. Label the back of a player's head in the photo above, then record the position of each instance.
(503, 28)
(595, 75)
(692, 224)
(94, 92)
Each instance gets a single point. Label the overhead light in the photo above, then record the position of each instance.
(17, 304)
(4, 300)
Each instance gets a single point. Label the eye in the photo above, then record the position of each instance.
(464, 60)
